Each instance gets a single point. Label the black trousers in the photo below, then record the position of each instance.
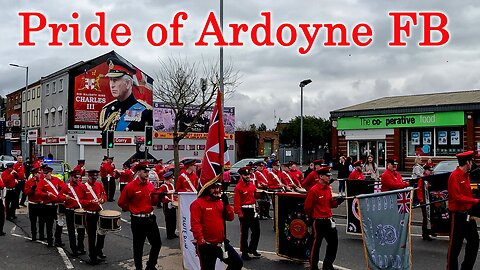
(2, 214)
(34, 212)
(11, 203)
(208, 255)
(110, 187)
(322, 228)
(47, 217)
(425, 230)
(19, 187)
(462, 229)
(95, 241)
(170, 219)
(264, 205)
(75, 244)
(249, 223)
(145, 227)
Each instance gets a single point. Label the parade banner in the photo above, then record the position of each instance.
(293, 227)
(189, 253)
(385, 219)
(354, 188)
(436, 188)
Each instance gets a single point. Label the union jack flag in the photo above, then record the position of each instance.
(403, 202)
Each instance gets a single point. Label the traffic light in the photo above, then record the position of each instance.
(104, 140)
(110, 139)
(148, 136)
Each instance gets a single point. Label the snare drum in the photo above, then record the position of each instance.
(109, 220)
(79, 218)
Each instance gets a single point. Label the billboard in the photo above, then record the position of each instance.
(164, 120)
(98, 105)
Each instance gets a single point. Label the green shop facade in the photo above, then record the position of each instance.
(435, 126)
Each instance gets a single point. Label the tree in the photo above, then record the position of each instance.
(316, 132)
(181, 86)
(262, 127)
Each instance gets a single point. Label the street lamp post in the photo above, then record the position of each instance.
(302, 84)
(26, 90)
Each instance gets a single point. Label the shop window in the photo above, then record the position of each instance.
(353, 149)
(435, 141)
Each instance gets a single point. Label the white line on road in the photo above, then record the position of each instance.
(13, 229)
(67, 261)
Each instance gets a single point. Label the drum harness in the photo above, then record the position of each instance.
(94, 196)
(289, 178)
(170, 206)
(278, 180)
(75, 195)
(189, 182)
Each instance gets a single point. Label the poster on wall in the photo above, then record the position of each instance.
(416, 138)
(442, 138)
(427, 137)
(164, 119)
(101, 99)
(455, 137)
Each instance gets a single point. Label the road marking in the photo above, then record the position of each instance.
(67, 261)
(13, 229)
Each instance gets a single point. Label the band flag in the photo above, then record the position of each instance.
(354, 188)
(385, 219)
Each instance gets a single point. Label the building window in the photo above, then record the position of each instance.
(54, 89)
(60, 115)
(24, 122)
(38, 92)
(27, 119)
(53, 111)
(23, 96)
(32, 119)
(38, 117)
(441, 141)
(46, 112)
(60, 87)
(28, 94)
(47, 89)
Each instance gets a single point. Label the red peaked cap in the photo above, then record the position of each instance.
(358, 163)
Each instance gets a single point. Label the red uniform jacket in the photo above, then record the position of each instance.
(30, 186)
(356, 175)
(71, 203)
(86, 198)
(310, 180)
(206, 219)
(107, 168)
(160, 171)
(137, 197)
(80, 168)
(261, 180)
(274, 179)
(297, 176)
(319, 201)
(167, 187)
(392, 180)
(20, 169)
(43, 188)
(244, 194)
(2, 185)
(182, 185)
(126, 176)
(459, 191)
(9, 179)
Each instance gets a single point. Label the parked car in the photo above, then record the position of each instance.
(60, 169)
(445, 166)
(234, 176)
(5, 159)
(171, 165)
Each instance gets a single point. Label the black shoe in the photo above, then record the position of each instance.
(15, 217)
(82, 252)
(255, 253)
(269, 217)
(34, 239)
(50, 244)
(59, 244)
(41, 238)
(427, 238)
(2, 233)
(93, 261)
(245, 257)
(102, 256)
(22, 204)
(172, 237)
(75, 253)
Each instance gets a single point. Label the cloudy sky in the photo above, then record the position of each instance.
(270, 76)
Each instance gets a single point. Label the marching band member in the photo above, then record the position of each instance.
(296, 174)
(274, 177)
(208, 214)
(287, 179)
(92, 196)
(125, 176)
(427, 170)
(188, 180)
(2, 208)
(20, 176)
(72, 202)
(35, 205)
(38, 163)
(158, 168)
(80, 167)
(11, 199)
(169, 211)
(139, 197)
(318, 206)
(244, 207)
(261, 182)
(460, 201)
(357, 173)
(107, 170)
(312, 177)
(391, 179)
(48, 189)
